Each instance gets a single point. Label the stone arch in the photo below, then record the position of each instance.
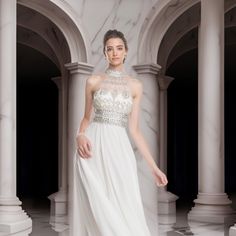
(64, 18)
(25, 36)
(229, 5)
(157, 23)
(166, 24)
(182, 35)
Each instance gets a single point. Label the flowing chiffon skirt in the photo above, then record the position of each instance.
(107, 198)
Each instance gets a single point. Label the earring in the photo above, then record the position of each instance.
(124, 58)
(107, 58)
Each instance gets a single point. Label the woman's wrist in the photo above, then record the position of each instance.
(80, 134)
(151, 163)
(154, 167)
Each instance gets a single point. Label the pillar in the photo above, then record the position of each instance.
(149, 124)
(166, 200)
(232, 231)
(13, 220)
(212, 203)
(79, 72)
(58, 215)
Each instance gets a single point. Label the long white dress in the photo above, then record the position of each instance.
(107, 198)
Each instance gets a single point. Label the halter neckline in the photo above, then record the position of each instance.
(115, 73)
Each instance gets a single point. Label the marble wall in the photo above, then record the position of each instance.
(97, 17)
(93, 18)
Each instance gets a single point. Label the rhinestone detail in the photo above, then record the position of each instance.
(113, 101)
(115, 73)
(111, 117)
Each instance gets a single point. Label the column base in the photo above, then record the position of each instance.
(58, 211)
(166, 206)
(14, 221)
(232, 231)
(20, 228)
(212, 208)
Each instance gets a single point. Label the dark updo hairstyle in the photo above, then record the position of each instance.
(114, 34)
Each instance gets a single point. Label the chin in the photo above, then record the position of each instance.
(116, 63)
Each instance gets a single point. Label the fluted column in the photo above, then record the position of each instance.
(212, 203)
(58, 216)
(79, 72)
(13, 220)
(166, 200)
(149, 120)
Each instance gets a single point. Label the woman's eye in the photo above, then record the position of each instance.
(120, 49)
(109, 49)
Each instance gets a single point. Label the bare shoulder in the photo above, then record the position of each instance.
(135, 82)
(93, 80)
(136, 86)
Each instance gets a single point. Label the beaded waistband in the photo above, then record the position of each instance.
(111, 117)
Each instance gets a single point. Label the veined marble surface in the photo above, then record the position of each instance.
(99, 16)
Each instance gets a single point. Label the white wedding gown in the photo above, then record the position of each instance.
(107, 199)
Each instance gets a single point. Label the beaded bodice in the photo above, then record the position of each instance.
(113, 100)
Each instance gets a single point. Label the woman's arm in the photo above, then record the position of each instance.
(84, 146)
(138, 137)
(88, 105)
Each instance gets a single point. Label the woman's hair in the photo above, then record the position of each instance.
(114, 34)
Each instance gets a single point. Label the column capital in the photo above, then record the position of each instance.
(57, 81)
(79, 67)
(151, 68)
(164, 81)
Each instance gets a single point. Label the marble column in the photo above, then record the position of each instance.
(232, 231)
(58, 215)
(13, 220)
(79, 72)
(166, 200)
(212, 203)
(149, 124)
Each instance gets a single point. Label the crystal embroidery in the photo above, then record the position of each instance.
(113, 100)
(115, 73)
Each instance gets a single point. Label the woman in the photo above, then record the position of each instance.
(107, 191)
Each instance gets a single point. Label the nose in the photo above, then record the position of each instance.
(114, 52)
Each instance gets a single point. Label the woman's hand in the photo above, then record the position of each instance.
(84, 147)
(160, 177)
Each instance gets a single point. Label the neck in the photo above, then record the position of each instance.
(116, 68)
(115, 72)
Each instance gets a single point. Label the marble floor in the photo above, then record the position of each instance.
(39, 212)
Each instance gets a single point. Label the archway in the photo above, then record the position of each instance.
(183, 120)
(169, 38)
(167, 24)
(62, 16)
(159, 20)
(37, 123)
(230, 99)
(48, 38)
(182, 65)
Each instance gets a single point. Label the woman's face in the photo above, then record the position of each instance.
(115, 51)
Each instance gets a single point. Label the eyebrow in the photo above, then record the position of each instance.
(116, 46)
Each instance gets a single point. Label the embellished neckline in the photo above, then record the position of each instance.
(115, 73)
